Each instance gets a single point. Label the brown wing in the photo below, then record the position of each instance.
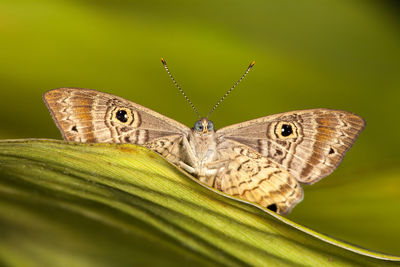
(310, 144)
(85, 115)
(253, 177)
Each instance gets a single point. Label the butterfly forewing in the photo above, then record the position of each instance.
(85, 115)
(309, 144)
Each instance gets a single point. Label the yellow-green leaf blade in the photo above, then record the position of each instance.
(141, 206)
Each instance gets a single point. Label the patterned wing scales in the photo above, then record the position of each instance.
(85, 115)
(169, 147)
(261, 161)
(309, 144)
(254, 178)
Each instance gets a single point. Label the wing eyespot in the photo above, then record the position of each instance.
(122, 115)
(125, 116)
(285, 130)
(273, 207)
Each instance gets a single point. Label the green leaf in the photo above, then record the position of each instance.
(359, 205)
(70, 204)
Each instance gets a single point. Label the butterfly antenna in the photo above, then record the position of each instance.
(180, 89)
(233, 87)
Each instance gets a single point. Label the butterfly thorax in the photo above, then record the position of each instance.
(203, 146)
(202, 151)
(202, 141)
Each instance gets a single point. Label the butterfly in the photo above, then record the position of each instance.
(263, 160)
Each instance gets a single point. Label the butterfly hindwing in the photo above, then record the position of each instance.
(248, 175)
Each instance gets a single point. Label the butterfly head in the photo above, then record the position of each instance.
(203, 126)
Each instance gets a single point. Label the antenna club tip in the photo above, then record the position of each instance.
(163, 61)
(252, 64)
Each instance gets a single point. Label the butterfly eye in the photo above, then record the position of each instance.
(198, 126)
(210, 126)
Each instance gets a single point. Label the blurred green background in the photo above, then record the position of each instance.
(309, 54)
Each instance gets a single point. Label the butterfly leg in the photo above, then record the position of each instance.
(216, 164)
(190, 158)
(207, 180)
(186, 167)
